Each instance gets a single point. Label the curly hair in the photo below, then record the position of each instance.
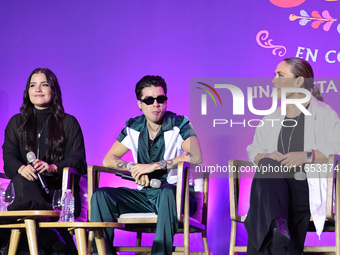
(28, 121)
(300, 67)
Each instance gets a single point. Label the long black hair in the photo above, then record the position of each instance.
(28, 122)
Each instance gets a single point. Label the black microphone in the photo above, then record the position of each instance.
(154, 183)
(31, 157)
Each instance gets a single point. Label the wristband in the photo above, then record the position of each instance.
(313, 156)
(55, 168)
(162, 164)
(128, 166)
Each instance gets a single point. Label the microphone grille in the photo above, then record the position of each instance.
(30, 156)
(155, 183)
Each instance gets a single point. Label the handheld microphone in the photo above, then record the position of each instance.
(31, 157)
(154, 183)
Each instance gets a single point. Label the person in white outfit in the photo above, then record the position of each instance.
(281, 203)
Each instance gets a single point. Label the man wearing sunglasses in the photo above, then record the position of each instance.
(159, 140)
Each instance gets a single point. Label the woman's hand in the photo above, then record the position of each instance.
(28, 172)
(42, 166)
(276, 155)
(138, 170)
(293, 159)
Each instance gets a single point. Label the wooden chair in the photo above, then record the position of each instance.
(29, 217)
(67, 183)
(142, 223)
(67, 178)
(332, 223)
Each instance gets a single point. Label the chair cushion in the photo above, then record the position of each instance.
(198, 197)
(132, 218)
(137, 215)
(137, 218)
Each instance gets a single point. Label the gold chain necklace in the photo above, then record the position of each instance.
(39, 134)
(299, 176)
(153, 129)
(152, 136)
(290, 137)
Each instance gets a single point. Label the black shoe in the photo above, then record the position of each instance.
(281, 236)
(4, 244)
(58, 245)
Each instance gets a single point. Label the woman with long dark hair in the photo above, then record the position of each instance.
(54, 136)
(280, 207)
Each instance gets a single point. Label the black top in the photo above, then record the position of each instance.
(14, 153)
(297, 133)
(297, 140)
(28, 194)
(42, 118)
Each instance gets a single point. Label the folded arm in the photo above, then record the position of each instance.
(192, 153)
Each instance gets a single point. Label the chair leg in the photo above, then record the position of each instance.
(186, 217)
(81, 241)
(186, 238)
(139, 242)
(337, 215)
(90, 243)
(232, 237)
(205, 243)
(14, 241)
(32, 236)
(337, 235)
(139, 239)
(100, 243)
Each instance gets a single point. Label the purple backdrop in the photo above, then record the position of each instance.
(99, 50)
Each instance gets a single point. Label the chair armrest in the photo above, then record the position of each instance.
(332, 186)
(68, 178)
(234, 187)
(93, 174)
(336, 195)
(236, 164)
(67, 181)
(182, 173)
(182, 189)
(95, 169)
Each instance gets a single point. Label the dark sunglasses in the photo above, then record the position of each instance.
(151, 100)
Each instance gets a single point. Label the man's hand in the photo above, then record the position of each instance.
(144, 180)
(139, 170)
